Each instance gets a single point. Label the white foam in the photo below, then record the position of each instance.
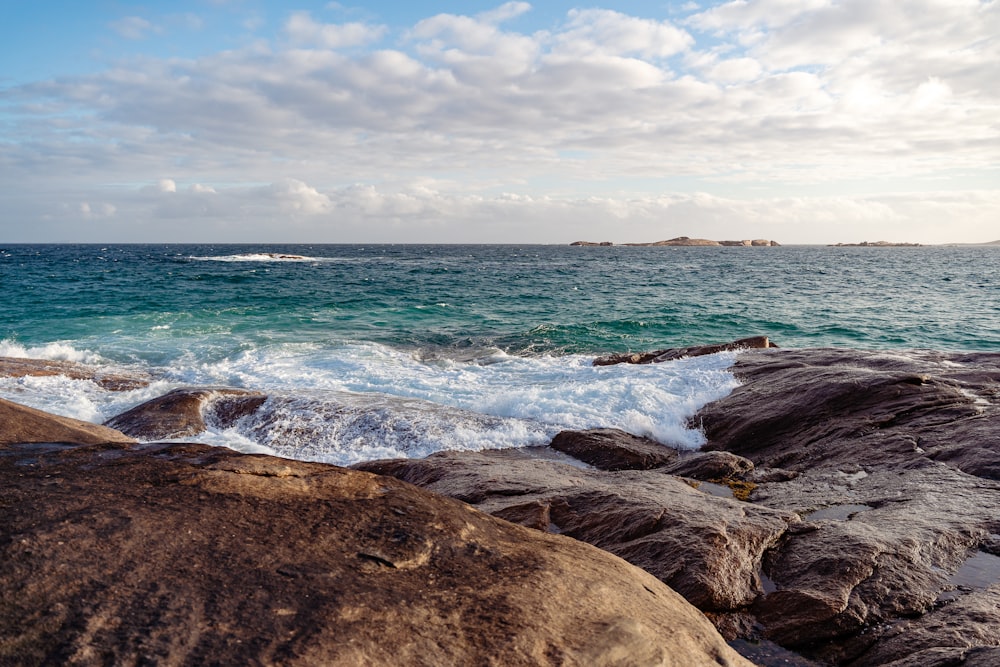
(355, 402)
(51, 351)
(260, 257)
(518, 401)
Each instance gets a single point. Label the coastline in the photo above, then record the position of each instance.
(847, 462)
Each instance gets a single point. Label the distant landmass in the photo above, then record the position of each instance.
(685, 241)
(875, 244)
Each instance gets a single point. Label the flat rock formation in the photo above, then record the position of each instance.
(670, 354)
(181, 412)
(123, 380)
(189, 554)
(706, 547)
(593, 243)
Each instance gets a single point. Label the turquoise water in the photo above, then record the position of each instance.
(139, 301)
(402, 350)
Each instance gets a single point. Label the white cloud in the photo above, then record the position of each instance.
(96, 211)
(303, 30)
(844, 97)
(505, 12)
(133, 27)
(603, 31)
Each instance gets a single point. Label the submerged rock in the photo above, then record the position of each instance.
(112, 380)
(187, 554)
(670, 354)
(180, 413)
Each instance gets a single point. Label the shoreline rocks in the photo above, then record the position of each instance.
(846, 507)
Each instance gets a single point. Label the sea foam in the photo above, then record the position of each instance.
(353, 402)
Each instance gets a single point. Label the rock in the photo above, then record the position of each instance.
(659, 356)
(187, 554)
(963, 632)
(611, 449)
(705, 547)
(679, 241)
(800, 408)
(711, 466)
(592, 243)
(891, 461)
(21, 424)
(121, 380)
(179, 413)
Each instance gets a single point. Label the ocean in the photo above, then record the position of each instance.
(377, 351)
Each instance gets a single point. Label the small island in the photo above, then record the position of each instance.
(876, 244)
(686, 241)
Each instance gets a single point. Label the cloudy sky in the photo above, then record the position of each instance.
(803, 121)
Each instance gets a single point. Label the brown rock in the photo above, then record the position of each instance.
(707, 548)
(120, 380)
(658, 356)
(894, 464)
(20, 424)
(612, 449)
(186, 554)
(179, 413)
(711, 465)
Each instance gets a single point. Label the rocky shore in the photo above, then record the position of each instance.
(845, 511)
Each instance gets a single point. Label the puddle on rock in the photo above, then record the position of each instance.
(980, 571)
(714, 489)
(836, 512)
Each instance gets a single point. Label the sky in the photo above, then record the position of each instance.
(258, 121)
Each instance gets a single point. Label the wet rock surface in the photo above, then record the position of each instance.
(892, 462)
(670, 354)
(181, 413)
(187, 554)
(611, 449)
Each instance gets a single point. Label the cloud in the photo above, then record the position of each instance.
(604, 31)
(505, 12)
(96, 211)
(133, 27)
(593, 113)
(301, 29)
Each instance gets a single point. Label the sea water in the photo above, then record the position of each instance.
(380, 351)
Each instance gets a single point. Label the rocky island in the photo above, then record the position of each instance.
(844, 511)
(685, 241)
(876, 244)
